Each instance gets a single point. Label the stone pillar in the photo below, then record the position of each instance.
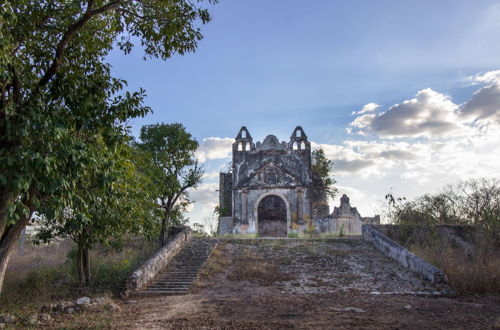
(244, 205)
(300, 205)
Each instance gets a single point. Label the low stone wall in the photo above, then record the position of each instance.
(150, 269)
(395, 251)
(460, 236)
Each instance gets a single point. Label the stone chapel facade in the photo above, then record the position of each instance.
(272, 191)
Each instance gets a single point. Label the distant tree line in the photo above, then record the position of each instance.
(473, 201)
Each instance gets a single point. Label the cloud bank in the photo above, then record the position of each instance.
(415, 147)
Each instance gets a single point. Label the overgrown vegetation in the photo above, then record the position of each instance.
(322, 167)
(59, 103)
(478, 272)
(468, 255)
(46, 273)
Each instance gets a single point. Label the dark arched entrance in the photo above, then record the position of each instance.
(272, 217)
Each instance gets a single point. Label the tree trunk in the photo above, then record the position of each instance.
(164, 229)
(80, 267)
(86, 266)
(9, 238)
(4, 207)
(83, 266)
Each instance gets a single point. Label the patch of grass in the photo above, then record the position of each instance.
(249, 267)
(336, 251)
(87, 320)
(216, 264)
(285, 260)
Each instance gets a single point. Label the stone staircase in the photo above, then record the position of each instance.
(177, 277)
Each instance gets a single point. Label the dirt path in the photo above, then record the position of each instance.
(256, 284)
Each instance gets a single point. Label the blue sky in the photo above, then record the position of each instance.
(273, 64)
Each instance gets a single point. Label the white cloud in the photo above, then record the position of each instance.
(491, 77)
(205, 199)
(484, 106)
(214, 148)
(366, 108)
(429, 114)
(211, 175)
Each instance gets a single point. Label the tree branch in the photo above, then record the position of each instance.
(69, 35)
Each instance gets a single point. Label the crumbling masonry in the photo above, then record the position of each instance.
(272, 191)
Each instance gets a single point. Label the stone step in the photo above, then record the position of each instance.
(178, 276)
(156, 290)
(165, 293)
(173, 282)
(170, 286)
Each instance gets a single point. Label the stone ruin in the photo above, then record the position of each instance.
(271, 190)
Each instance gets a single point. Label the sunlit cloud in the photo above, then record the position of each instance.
(214, 148)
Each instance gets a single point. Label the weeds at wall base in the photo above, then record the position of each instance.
(468, 274)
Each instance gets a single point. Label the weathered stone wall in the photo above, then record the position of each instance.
(225, 194)
(282, 169)
(271, 168)
(296, 203)
(407, 259)
(325, 225)
(347, 218)
(150, 269)
(225, 225)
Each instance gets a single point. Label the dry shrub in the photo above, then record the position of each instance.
(249, 267)
(36, 257)
(475, 273)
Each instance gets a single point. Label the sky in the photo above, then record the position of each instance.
(403, 96)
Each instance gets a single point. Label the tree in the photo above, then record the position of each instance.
(323, 166)
(473, 201)
(113, 199)
(171, 149)
(55, 84)
(209, 224)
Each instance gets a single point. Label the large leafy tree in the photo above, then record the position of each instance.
(113, 198)
(171, 149)
(55, 84)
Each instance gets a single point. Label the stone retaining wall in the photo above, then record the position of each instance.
(395, 251)
(150, 269)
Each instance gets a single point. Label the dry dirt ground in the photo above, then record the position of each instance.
(275, 284)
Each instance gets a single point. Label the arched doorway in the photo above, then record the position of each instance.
(272, 217)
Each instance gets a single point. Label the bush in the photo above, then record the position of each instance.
(475, 202)
(475, 272)
(41, 282)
